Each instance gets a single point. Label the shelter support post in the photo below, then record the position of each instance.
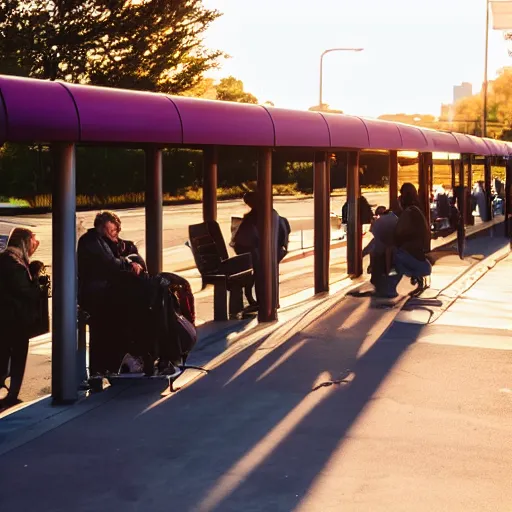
(267, 311)
(424, 172)
(462, 202)
(487, 187)
(322, 222)
(210, 183)
(453, 169)
(462, 180)
(354, 226)
(508, 199)
(468, 166)
(154, 210)
(393, 180)
(64, 278)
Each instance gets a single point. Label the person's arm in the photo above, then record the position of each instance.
(402, 228)
(19, 284)
(102, 253)
(369, 248)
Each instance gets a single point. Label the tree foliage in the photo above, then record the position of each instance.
(205, 89)
(231, 89)
(139, 44)
(228, 89)
(499, 105)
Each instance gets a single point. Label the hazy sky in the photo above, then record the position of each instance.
(415, 51)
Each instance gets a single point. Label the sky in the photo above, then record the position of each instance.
(415, 51)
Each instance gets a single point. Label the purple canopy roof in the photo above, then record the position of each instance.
(42, 111)
(207, 122)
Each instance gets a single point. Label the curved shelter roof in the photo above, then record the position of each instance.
(42, 111)
(496, 147)
(472, 144)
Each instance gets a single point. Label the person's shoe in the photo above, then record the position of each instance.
(168, 369)
(9, 401)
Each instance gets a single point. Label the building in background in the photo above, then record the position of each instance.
(461, 91)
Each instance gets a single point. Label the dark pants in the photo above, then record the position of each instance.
(385, 285)
(13, 353)
(134, 315)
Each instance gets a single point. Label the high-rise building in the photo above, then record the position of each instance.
(463, 90)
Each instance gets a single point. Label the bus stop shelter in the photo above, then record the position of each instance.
(64, 115)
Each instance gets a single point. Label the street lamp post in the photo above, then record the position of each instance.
(484, 123)
(322, 65)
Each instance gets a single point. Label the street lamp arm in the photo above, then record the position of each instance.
(325, 52)
(342, 50)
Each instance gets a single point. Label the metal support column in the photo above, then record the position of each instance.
(354, 226)
(154, 210)
(267, 311)
(210, 184)
(461, 196)
(393, 180)
(322, 232)
(470, 220)
(453, 168)
(64, 287)
(508, 199)
(424, 172)
(487, 186)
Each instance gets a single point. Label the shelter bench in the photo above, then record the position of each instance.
(226, 274)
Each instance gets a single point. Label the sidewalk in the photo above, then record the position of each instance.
(337, 408)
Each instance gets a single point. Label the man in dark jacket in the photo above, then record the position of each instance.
(110, 286)
(98, 267)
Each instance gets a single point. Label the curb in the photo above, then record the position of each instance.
(296, 255)
(458, 287)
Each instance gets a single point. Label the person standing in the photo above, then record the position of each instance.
(247, 238)
(20, 297)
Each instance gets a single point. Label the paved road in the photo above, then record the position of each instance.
(178, 218)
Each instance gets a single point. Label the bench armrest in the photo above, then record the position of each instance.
(236, 264)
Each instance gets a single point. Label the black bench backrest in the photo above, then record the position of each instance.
(208, 246)
(216, 233)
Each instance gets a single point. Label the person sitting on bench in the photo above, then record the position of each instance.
(19, 308)
(112, 286)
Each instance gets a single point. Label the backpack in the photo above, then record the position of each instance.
(283, 237)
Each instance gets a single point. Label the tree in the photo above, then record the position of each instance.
(145, 44)
(501, 95)
(324, 107)
(231, 89)
(205, 89)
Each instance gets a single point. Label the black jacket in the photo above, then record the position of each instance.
(98, 266)
(127, 249)
(365, 212)
(19, 296)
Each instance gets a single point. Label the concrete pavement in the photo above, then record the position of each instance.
(297, 281)
(341, 407)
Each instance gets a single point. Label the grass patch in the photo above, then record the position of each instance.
(185, 195)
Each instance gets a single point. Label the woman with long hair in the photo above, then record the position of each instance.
(19, 308)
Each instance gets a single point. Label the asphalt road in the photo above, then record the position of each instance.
(299, 212)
